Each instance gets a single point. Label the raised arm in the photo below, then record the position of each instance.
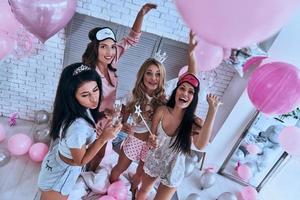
(201, 138)
(137, 25)
(134, 35)
(192, 68)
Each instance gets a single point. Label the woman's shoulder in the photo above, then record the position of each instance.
(198, 121)
(160, 110)
(80, 123)
(79, 126)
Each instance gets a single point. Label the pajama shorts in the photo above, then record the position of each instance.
(57, 175)
(135, 149)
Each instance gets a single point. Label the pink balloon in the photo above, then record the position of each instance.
(118, 190)
(2, 133)
(235, 23)
(253, 62)
(244, 172)
(289, 139)
(274, 88)
(8, 23)
(19, 144)
(208, 55)
(248, 193)
(253, 149)
(43, 18)
(38, 151)
(107, 197)
(24, 44)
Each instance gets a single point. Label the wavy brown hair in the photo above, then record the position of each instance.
(139, 90)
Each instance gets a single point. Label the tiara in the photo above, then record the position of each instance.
(81, 69)
(160, 57)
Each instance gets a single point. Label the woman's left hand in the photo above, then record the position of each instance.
(147, 7)
(213, 101)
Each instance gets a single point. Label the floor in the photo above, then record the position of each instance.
(18, 178)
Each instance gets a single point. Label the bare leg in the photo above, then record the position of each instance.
(136, 179)
(164, 192)
(94, 163)
(122, 165)
(51, 195)
(147, 184)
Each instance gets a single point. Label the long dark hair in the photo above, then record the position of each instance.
(90, 55)
(183, 141)
(66, 107)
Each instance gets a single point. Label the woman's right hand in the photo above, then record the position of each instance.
(152, 141)
(147, 7)
(127, 128)
(110, 132)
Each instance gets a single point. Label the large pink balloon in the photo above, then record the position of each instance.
(19, 144)
(43, 18)
(236, 23)
(6, 45)
(253, 62)
(38, 151)
(118, 190)
(289, 139)
(274, 88)
(8, 22)
(208, 55)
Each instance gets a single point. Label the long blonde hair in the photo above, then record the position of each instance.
(139, 90)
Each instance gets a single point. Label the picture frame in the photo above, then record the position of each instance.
(256, 155)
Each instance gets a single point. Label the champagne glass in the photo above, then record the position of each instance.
(117, 117)
(117, 106)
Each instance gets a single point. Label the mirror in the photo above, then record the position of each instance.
(257, 153)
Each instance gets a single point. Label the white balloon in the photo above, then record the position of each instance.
(207, 180)
(193, 196)
(42, 134)
(238, 155)
(189, 167)
(227, 196)
(41, 117)
(4, 157)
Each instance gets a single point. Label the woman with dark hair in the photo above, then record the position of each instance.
(73, 129)
(175, 127)
(103, 54)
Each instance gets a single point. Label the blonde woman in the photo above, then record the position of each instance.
(149, 93)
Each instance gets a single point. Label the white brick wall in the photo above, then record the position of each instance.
(29, 84)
